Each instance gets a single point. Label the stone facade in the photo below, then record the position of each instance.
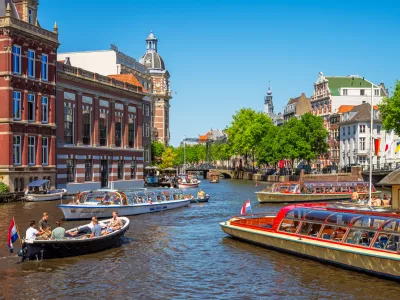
(27, 90)
(100, 132)
(296, 107)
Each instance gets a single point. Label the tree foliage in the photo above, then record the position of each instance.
(168, 158)
(390, 110)
(157, 150)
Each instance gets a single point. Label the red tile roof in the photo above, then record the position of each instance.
(345, 108)
(128, 78)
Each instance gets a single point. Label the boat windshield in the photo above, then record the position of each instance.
(293, 187)
(297, 213)
(341, 218)
(370, 222)
(319, 216)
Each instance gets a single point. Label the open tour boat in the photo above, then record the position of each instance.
(39, 190)
(73, 246)
(313, 191)
(102, 203)
(364, 240)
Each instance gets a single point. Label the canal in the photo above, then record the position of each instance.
(180, 254)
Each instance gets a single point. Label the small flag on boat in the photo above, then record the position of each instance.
(397, 147)
(245, 207)
(12, 235)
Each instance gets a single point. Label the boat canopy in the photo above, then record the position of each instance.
(38, 183)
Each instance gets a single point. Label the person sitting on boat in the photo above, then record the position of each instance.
(191, 196)
(354, 196)
(88, 228)
(385, 197)
(96, 231)
(32, 233)
(186, 196)
(58, 233)
(44, 227)
(115, 223)
(106, 199)
(200, 194)
(376, 201)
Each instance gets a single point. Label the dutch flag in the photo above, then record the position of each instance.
(245, 207)
(12, 235)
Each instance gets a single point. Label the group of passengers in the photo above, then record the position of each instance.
(375, 201)
(93, 229)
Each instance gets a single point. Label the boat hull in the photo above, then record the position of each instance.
(82, 212)
(44, 197)
(267, 197)
(47, 249)
(372, 262)
(188, 185)
(205, 199)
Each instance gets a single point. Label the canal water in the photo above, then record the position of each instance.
(179, 254)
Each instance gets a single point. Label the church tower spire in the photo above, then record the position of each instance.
(268, 104)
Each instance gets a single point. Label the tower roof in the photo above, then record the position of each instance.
(151, 59)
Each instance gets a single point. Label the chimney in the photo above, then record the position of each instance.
(67, 61)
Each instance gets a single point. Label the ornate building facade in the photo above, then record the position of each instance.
(27, 89)
(161, 89)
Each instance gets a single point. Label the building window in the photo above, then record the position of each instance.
(133, 169)
(378, 129)
(30, 16)
(147, 130)
(45, 67)
(362, 160)
(362, 128)
(147, 110)
(362, 92)
(344, 92)
(70, 170)
(31, 63)
(103, 130)
(88, 170)
(348, 130)
(120, 169)
(86, 127)
(45, 110)
(362, 143)
(31, 150)
(143, 109)
(376, 92)
(118, 131)
(17, 149)
(131, 133)
(31, 108)
(344, 131)
(16, 59)
(147, 154)
(45, 151)
(68, 125)
(17, 106)
(142, 129)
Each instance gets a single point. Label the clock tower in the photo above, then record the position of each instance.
(161, 89)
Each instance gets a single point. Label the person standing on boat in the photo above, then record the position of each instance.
(44, 227)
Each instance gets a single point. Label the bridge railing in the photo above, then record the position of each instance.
(382, 167)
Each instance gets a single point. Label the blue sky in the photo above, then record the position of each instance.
(222, 53)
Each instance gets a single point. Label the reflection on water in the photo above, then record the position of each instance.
(179, 254)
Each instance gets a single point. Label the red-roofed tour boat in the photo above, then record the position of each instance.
(364, 240)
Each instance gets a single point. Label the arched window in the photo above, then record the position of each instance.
(16, 185)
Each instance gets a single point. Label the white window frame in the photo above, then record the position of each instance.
(33, 107)
(31, 59)
(362, 143)
(19, 59)
(147, 130)
(45, 116)
(73, 124)
(30, 16)
(31, 150)
(344, 92)
(147, 110)
(147, 154)
(45, 151)
(18, 99)
(142, 129)
(46, 66)
(17, 162)
(376, 92)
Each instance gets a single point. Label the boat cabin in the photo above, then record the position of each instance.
(41, 186)
(366, 229)
(320, 187)
(102, 197)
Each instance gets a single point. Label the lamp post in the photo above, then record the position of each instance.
(371, 142)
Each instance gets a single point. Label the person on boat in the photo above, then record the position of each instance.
(115, 223)
(191, 196)
(58, 233)
(32, 233)
(44, 227)
(376, 201)
(186, 196)
(87, 229)
(106, 199)
(385, 197)
(354, 196)
(96, 231)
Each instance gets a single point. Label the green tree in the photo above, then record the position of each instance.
(314, 134)
(157, 149)
(390, 110)
(168, 158)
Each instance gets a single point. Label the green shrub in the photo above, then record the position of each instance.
(4, 188)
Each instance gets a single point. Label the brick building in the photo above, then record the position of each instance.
(27, 90)
(101, 130)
